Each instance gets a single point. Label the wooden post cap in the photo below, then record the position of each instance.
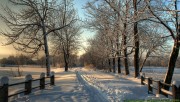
(52, 73)
(4, 80)
(28, 77)
(42, 75)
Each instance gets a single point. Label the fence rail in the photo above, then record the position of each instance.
(159, 87)
(4, 88)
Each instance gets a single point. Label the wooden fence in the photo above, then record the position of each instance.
(4, 93)
(159, 87)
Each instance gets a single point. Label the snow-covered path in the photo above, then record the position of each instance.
(67, 89)
(115, 87)
(82, 85)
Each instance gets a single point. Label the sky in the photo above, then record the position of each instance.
(79, 6)
(5, 51)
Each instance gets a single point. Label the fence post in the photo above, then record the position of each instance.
(149, 85)
(28, 84)
(42, 81)
(158, 87)
(142, 78)
(52, 78)
(178, 93)
(4, 89)
(150, 82)
(176, 90)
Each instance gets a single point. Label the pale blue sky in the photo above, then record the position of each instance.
(79, 6)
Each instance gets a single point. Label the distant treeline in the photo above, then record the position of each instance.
(55, 61)
(19, 60)
(160, 61)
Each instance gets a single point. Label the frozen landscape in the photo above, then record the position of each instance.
(86, 85)
(93, 40)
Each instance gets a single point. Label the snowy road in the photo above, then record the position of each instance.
(116, 88)
(81, 85)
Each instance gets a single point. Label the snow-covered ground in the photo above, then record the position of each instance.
(86, 85)
(158, 73)
(69, 87)
(114, 87)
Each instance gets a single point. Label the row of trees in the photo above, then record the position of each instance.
(55, 61)
(134, 29)
(37, 25)
(17, 60)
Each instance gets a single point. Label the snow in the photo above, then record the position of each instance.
(67, 89)
(28, 77)
(114, 87)
(82, 85)
(42, 75)
(4, 80)
(52, 73)
(86, 85)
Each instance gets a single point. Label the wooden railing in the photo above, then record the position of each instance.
(4, 88)
(159, 87)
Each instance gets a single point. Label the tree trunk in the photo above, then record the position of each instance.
(136, 42)
(114, 65)
(126, 63)
(66, 62)
(109, 60)
(125, 52)
(136, 53)
(46, 50)
(119, 59)
(171, 64)
(147, 55)
(47, 56)
(66, 66)
(118, 46)
(119, 65)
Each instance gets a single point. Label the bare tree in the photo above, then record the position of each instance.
(100, 19)
(171, 24)
(67, 41)
(116, 14)
(151, 41)
(30, 27)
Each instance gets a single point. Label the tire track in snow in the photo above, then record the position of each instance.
(117, 89)
(96, 95)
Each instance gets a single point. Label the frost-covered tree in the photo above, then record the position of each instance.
(67, 40)
(122, 9)
(112, 17)
(30, 25)
(166, 13)
(101, 19)
(151, 41)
